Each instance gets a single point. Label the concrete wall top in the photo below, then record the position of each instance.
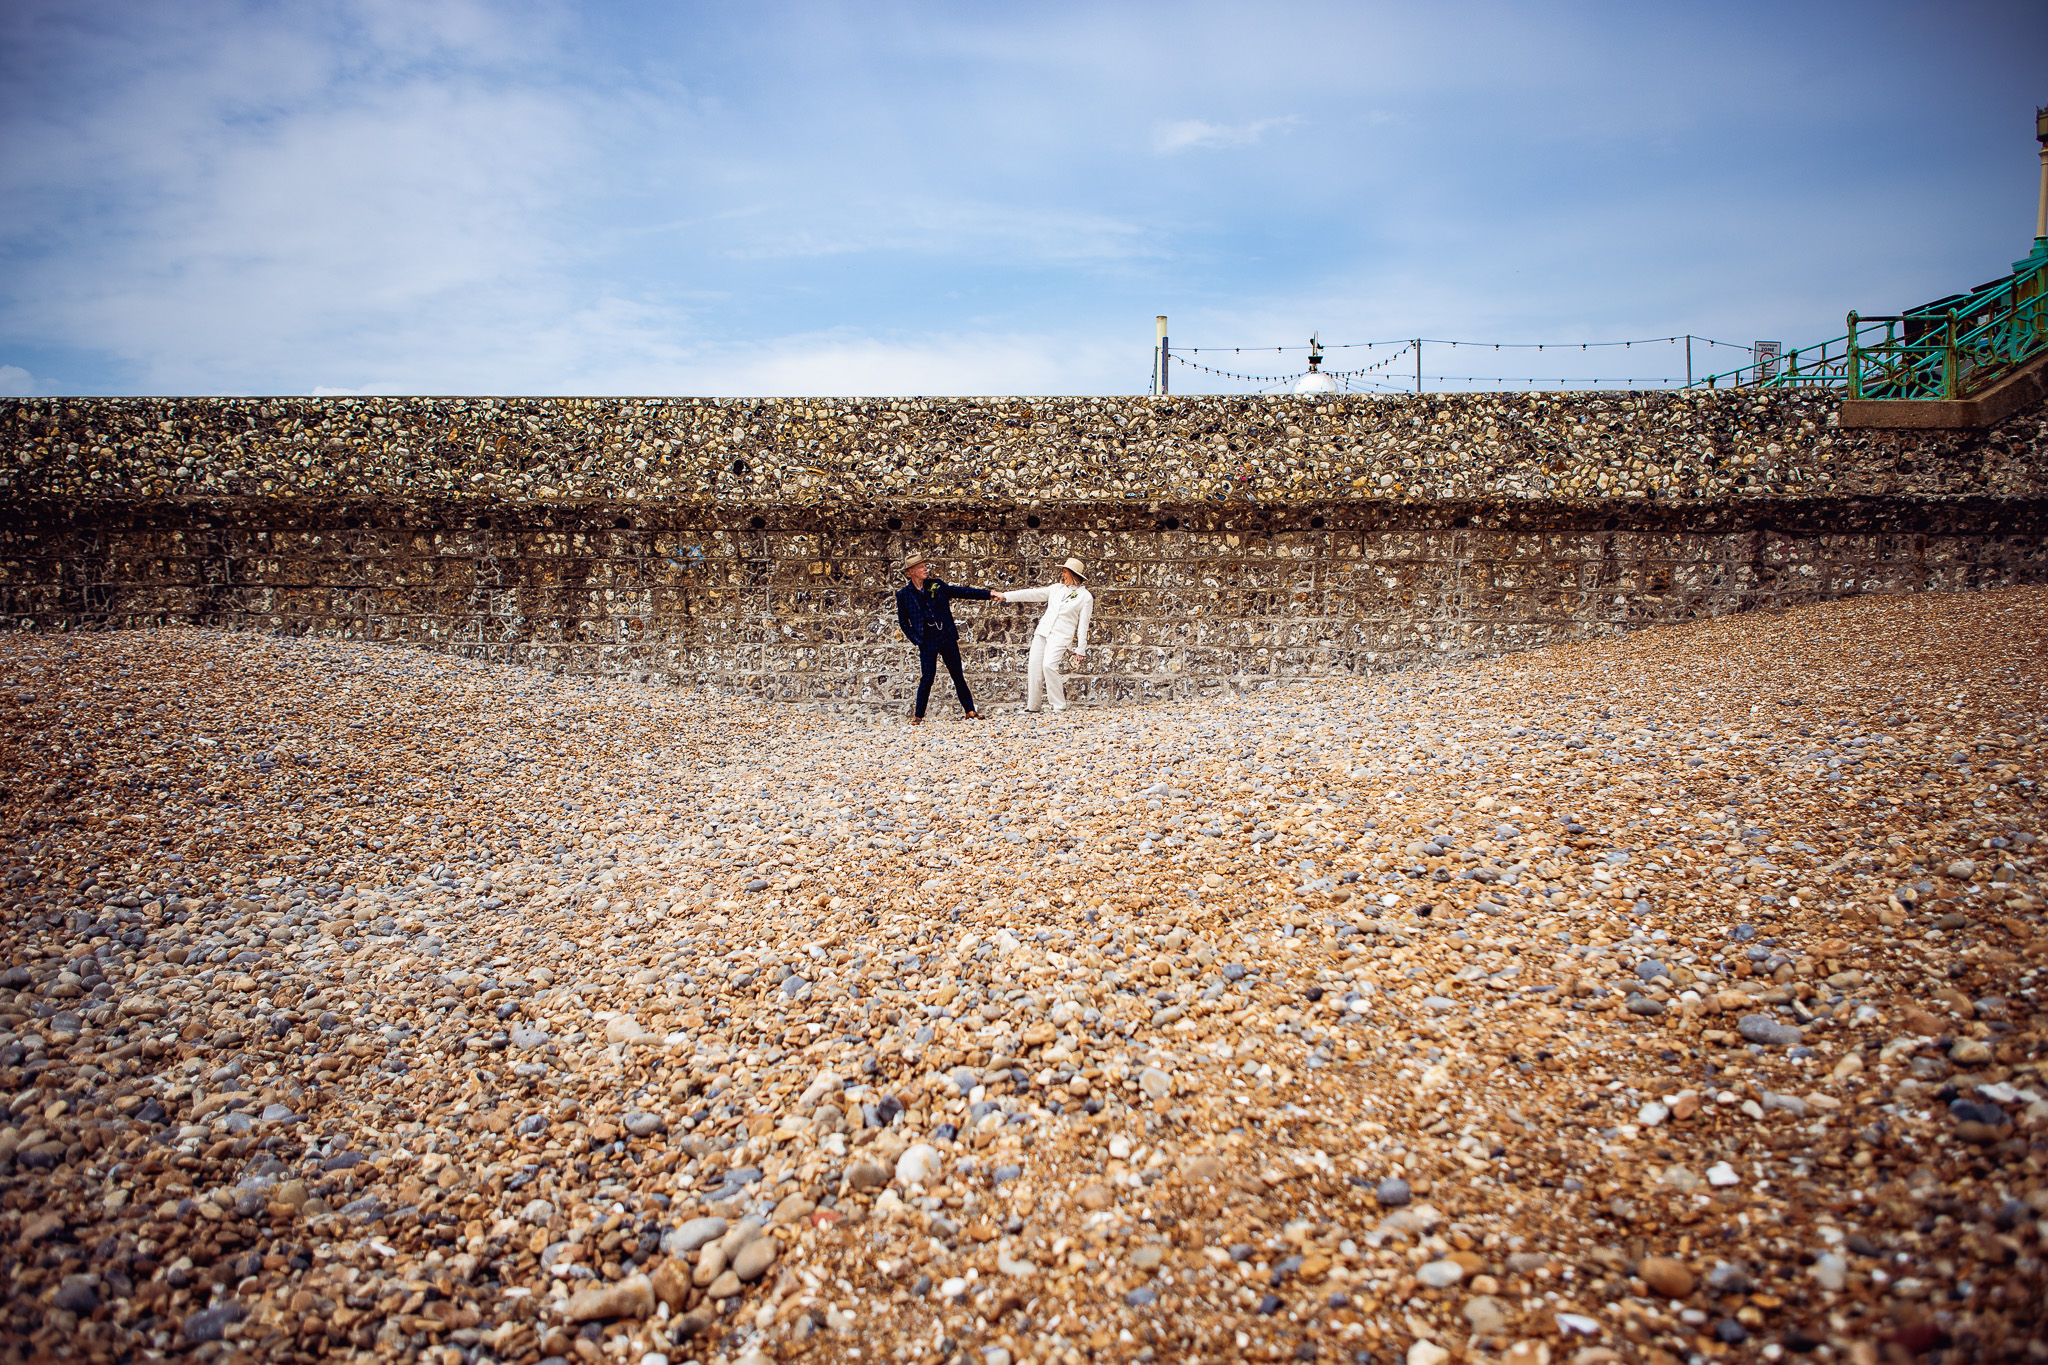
(1498, 448)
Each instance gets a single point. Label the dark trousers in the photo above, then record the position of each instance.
(928, 655)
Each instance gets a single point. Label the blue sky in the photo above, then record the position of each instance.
(448, 196)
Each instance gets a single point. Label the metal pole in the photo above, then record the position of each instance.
(2041, 212)
(1855, 360)
(1688, 360)
(1948, 358)
(1160, 356)
(2039, 254)
(1418, 364)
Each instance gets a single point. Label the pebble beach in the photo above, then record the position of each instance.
(1667, 997)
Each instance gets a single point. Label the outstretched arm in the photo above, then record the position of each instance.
(1028, 595)
(971, 594)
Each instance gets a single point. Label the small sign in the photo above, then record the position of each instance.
(1769, 355)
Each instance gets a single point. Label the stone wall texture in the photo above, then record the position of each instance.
(751, 546)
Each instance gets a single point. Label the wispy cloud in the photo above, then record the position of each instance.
(963, 363)
(1190, 134)
(946, 227)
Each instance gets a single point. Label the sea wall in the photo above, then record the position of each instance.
(750, 546)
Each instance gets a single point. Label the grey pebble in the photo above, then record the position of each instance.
(368, 1209)
(1761, 1028)
(210, 1324)
(754, 1259)
(1440, 1274)
(691, 1235)
(76, 1295)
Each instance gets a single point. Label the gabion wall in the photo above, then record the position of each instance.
(750, 546)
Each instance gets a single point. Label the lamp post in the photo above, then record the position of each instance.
(2040, 251)
(1315, 381)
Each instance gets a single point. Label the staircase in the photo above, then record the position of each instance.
(1967, 360)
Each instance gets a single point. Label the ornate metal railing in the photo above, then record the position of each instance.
(1951, 348)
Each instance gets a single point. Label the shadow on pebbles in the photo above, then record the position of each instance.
(1664, 997)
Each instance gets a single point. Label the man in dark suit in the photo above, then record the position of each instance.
(924, 609)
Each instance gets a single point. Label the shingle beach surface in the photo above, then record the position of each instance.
(1663, 997)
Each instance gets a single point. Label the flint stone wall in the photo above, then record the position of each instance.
(751, 546)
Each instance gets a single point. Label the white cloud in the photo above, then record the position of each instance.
(15, 382)
(932, 225)
(1185, 134)
(281, 201)
(619, 348)
(934, 365)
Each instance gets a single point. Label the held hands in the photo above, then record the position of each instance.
(997, 596)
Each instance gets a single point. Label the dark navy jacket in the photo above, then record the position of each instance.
(927, 617)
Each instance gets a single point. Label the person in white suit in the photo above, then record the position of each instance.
(1068, 607)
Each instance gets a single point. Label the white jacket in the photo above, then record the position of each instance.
(1067, 612)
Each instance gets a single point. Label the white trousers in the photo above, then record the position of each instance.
(1045, 679)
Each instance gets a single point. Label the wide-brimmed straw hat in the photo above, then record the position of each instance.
(1074, 567)
(914, 561)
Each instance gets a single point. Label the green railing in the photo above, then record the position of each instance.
(1950, 348)
(1823, 366)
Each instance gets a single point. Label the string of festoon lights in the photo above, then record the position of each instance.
(1477, 345)
(1290, 378)
(1361, 379)
(1554, 379)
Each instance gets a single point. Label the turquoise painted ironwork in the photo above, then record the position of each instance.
(1951, 348)
(1955, 347)
(1822, 366)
